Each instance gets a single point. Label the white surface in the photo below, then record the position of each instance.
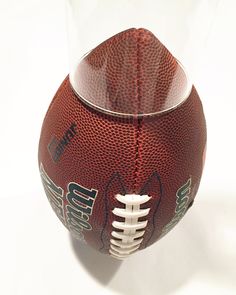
(37, 255)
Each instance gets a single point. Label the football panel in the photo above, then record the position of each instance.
(79, 145)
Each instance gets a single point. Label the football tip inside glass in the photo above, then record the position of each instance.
(131, 74)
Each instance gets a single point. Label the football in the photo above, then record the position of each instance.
(122, 145)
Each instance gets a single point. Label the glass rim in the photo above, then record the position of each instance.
(129, 115)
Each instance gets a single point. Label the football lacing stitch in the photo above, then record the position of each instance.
(128, 240)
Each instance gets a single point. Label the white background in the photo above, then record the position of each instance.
(37, 255)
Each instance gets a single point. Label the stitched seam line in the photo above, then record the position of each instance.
(139, 120)
(137, 156)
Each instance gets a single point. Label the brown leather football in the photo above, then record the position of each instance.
(122, 145)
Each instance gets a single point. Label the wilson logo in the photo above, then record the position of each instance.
(73, 208)
(182, 199)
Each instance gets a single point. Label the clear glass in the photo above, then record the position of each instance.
(129, 57)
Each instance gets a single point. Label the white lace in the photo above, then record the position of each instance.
(128, 240)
